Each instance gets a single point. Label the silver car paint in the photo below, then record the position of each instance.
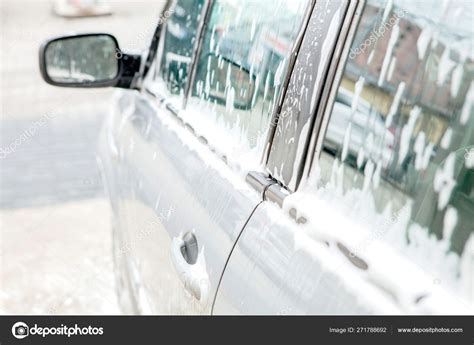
(161, 187)
(270, 273)
(166, 185)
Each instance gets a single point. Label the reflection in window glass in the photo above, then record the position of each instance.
(179, 38)
(241, 67)
(400, 140)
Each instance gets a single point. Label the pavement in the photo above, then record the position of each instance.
(55, 236)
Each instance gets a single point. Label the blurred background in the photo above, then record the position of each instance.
(55, 236)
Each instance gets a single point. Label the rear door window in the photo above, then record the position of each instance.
(399, 146)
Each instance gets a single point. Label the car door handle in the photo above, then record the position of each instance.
(190, 265)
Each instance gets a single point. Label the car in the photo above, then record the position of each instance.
(355, 123)
(299, 157)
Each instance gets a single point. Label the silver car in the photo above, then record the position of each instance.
(288, 157)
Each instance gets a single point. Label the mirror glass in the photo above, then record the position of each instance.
(82, 59)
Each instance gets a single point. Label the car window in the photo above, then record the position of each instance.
(399, 146)
(178, 38)
(241, 66)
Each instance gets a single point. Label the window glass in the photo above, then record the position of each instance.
(178, 43)
(399, 146)
(240, 69)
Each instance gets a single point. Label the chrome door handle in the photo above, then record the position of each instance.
(190, 266)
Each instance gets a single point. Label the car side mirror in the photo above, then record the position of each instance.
(87, 60)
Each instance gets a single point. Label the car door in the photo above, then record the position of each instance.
(378, 227)
(187, 141)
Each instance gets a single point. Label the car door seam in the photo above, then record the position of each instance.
(230, 254)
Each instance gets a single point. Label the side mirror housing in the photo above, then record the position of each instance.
(88, 60)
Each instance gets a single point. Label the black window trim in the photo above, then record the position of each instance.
(208, 4)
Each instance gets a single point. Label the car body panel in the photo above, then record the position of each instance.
(174, 185)
(277, 269)
(326, 251)
(256, 256)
